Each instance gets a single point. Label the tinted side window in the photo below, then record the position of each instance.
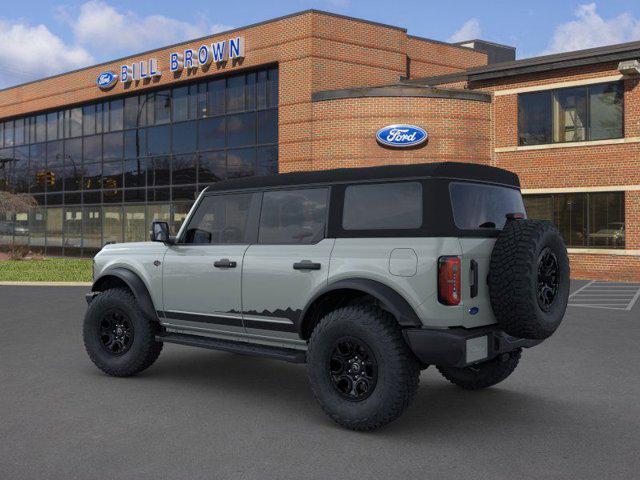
(220, 219)
(293, 216)
(483, 206)
(383, 206)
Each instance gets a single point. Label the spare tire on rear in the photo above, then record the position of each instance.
(529, 279)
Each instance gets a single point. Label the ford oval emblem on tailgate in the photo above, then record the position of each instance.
(401, 136)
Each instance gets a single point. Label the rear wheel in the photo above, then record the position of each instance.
(119, 339)
(360, 369)
(483, 375)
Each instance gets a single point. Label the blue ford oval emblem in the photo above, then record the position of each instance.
(474, 310)
(106, 80)
(401, 136)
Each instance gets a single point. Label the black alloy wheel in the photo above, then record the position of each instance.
(353, 369)
(116, 332)
(547, 279)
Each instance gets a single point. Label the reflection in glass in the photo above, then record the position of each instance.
(184, 169)
(241, 130)
(211, 167)
(91, 229)
(73, 231)
(71, 159)
(241, 163)
(184, 137)
(211, 133)
(112, 224)
(134, 223)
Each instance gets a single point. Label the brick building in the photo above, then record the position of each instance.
(107, 149)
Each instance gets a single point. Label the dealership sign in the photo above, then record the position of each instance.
(401, 136)
(106, 80)
(189, 59)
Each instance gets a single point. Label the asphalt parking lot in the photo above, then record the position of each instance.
(571, 410)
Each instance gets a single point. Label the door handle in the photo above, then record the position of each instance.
(474, 279)
(224, 263)
(306, 265)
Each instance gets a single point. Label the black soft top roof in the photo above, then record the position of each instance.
(453, 170)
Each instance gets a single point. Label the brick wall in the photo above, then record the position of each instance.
(315, 51)
(344, 131)
(429, 58)
(576, 167)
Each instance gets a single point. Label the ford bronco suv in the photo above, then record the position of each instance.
(367, 275)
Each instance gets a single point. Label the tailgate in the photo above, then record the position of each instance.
(476, 256)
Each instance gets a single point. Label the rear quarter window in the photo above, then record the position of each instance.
(383, 206)
(478, 206)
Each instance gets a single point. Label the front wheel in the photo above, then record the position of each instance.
(483, 375)
(360, 369)
(118, 338)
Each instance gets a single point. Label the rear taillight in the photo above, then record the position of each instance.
(449, 280)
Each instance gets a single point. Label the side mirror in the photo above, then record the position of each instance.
(160, 232)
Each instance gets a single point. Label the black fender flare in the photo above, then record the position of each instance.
(135, 284)
(395, 303)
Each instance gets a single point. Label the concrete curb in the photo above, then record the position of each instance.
(46, 284)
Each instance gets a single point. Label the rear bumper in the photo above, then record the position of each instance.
(460, 347)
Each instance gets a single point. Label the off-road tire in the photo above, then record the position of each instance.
(144, 349)
(398, 370)
(483, 375)
(514, 279)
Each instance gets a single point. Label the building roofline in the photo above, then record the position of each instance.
(496, 44)
(608, 53)
(435, 79)
(440, 42)
(226, 32)
(400, 90)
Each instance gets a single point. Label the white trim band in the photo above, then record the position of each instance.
(551, 86)
(589, 143)
(604, 251)
(611, 188)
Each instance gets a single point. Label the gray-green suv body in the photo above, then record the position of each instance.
(368, 275)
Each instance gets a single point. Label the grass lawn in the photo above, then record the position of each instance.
(47, 270)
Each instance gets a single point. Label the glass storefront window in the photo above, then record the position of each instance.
(134, 223)
(592, 112)
(54, 231)
(73, 231)
(241, 130)
(184, 169)
(88, 164)
(585, 220)
(184, 137)
(112, 224)
(212, 167)
(211, 133)
(21, 228)
(37, 227)
(91, 229)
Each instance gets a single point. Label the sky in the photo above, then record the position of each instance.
(39, 38)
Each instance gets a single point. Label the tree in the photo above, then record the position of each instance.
(15, 202)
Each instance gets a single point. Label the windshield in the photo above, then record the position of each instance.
(478, 206)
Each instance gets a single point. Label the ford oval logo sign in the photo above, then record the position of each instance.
(106, 80)
(401, 136)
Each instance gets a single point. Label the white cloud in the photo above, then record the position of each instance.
(107, 31)
(469, 31)
(29, 52)
(98, 31)
(589, 29)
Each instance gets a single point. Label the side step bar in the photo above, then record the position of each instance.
(278, 353)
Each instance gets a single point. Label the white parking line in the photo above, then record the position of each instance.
(612, 296)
